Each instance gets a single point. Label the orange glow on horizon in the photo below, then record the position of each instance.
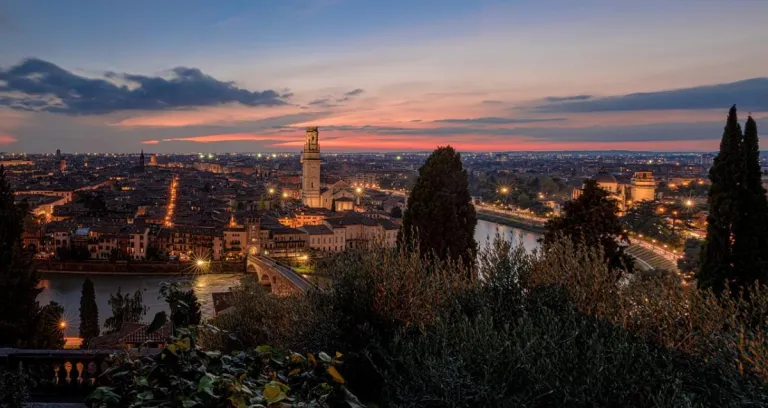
(6, 140)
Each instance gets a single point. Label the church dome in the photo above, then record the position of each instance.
(603, 177)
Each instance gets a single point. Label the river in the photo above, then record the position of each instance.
(65, 288)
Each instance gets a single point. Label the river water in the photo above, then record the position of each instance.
(65, 288)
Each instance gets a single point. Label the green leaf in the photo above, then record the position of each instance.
(351, 399)
(146, 396)
(105, 396)
(273, 392)
(325, 357)
(206, 384)
(189, 403)
(264, 349)
(157, 323)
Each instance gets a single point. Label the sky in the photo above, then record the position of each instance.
(378, 75)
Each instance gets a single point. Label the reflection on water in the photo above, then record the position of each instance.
(486, 231)
(65, 289)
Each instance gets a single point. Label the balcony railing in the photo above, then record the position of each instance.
(60, 376)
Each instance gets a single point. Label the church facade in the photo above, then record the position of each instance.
(338, 197)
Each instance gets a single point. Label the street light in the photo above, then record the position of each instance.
(271, 191)
(62, 324)
(504, 190)
(688, 203)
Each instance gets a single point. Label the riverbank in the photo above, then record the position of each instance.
(511, 221)
(125, 273)
(139, 268)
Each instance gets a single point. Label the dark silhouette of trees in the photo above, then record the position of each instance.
(125, 308)
(89, 312)
(589, 220)
(736, 248)
(185, 308)
(440, 217)
(750, 248)
(22, 322)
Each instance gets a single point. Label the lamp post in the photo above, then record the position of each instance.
(504, 191)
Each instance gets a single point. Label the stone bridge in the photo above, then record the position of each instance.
(281, 279)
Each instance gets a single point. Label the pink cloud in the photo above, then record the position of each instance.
(204, 116)
(6, 140)
(230, 137)
(150, 142)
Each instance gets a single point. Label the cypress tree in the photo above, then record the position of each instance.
(89, 312)
(18, 278)
(724, 196)
(440, 217)
(751, 227)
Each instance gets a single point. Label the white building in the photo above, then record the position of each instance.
(139, 243)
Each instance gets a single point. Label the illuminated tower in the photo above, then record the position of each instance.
(310, 170)
(643, 186)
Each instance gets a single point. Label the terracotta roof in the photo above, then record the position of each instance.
(131, 333)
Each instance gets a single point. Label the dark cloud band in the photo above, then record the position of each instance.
(751, 94)
(39, 85)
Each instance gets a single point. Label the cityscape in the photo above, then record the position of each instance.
(376, 213)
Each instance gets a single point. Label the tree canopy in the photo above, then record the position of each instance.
(440, 216)
(592, 219)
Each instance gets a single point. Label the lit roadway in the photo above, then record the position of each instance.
(171, 202)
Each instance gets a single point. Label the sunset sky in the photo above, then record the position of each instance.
(378, 75)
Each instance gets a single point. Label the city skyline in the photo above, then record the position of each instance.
(375, 76)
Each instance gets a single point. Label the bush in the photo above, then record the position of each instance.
(185, 375)
(554, 328)
(14, 388)
(664, 310)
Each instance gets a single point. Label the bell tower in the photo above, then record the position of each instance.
(310, 170)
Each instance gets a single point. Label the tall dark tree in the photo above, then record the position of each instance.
(750, 247)
(49, 327)
(125, 308)
(18, 278)
(184, 306)
(440, 217)
(726, 175)
(396, 212)
(589, 219)
(89, 312)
